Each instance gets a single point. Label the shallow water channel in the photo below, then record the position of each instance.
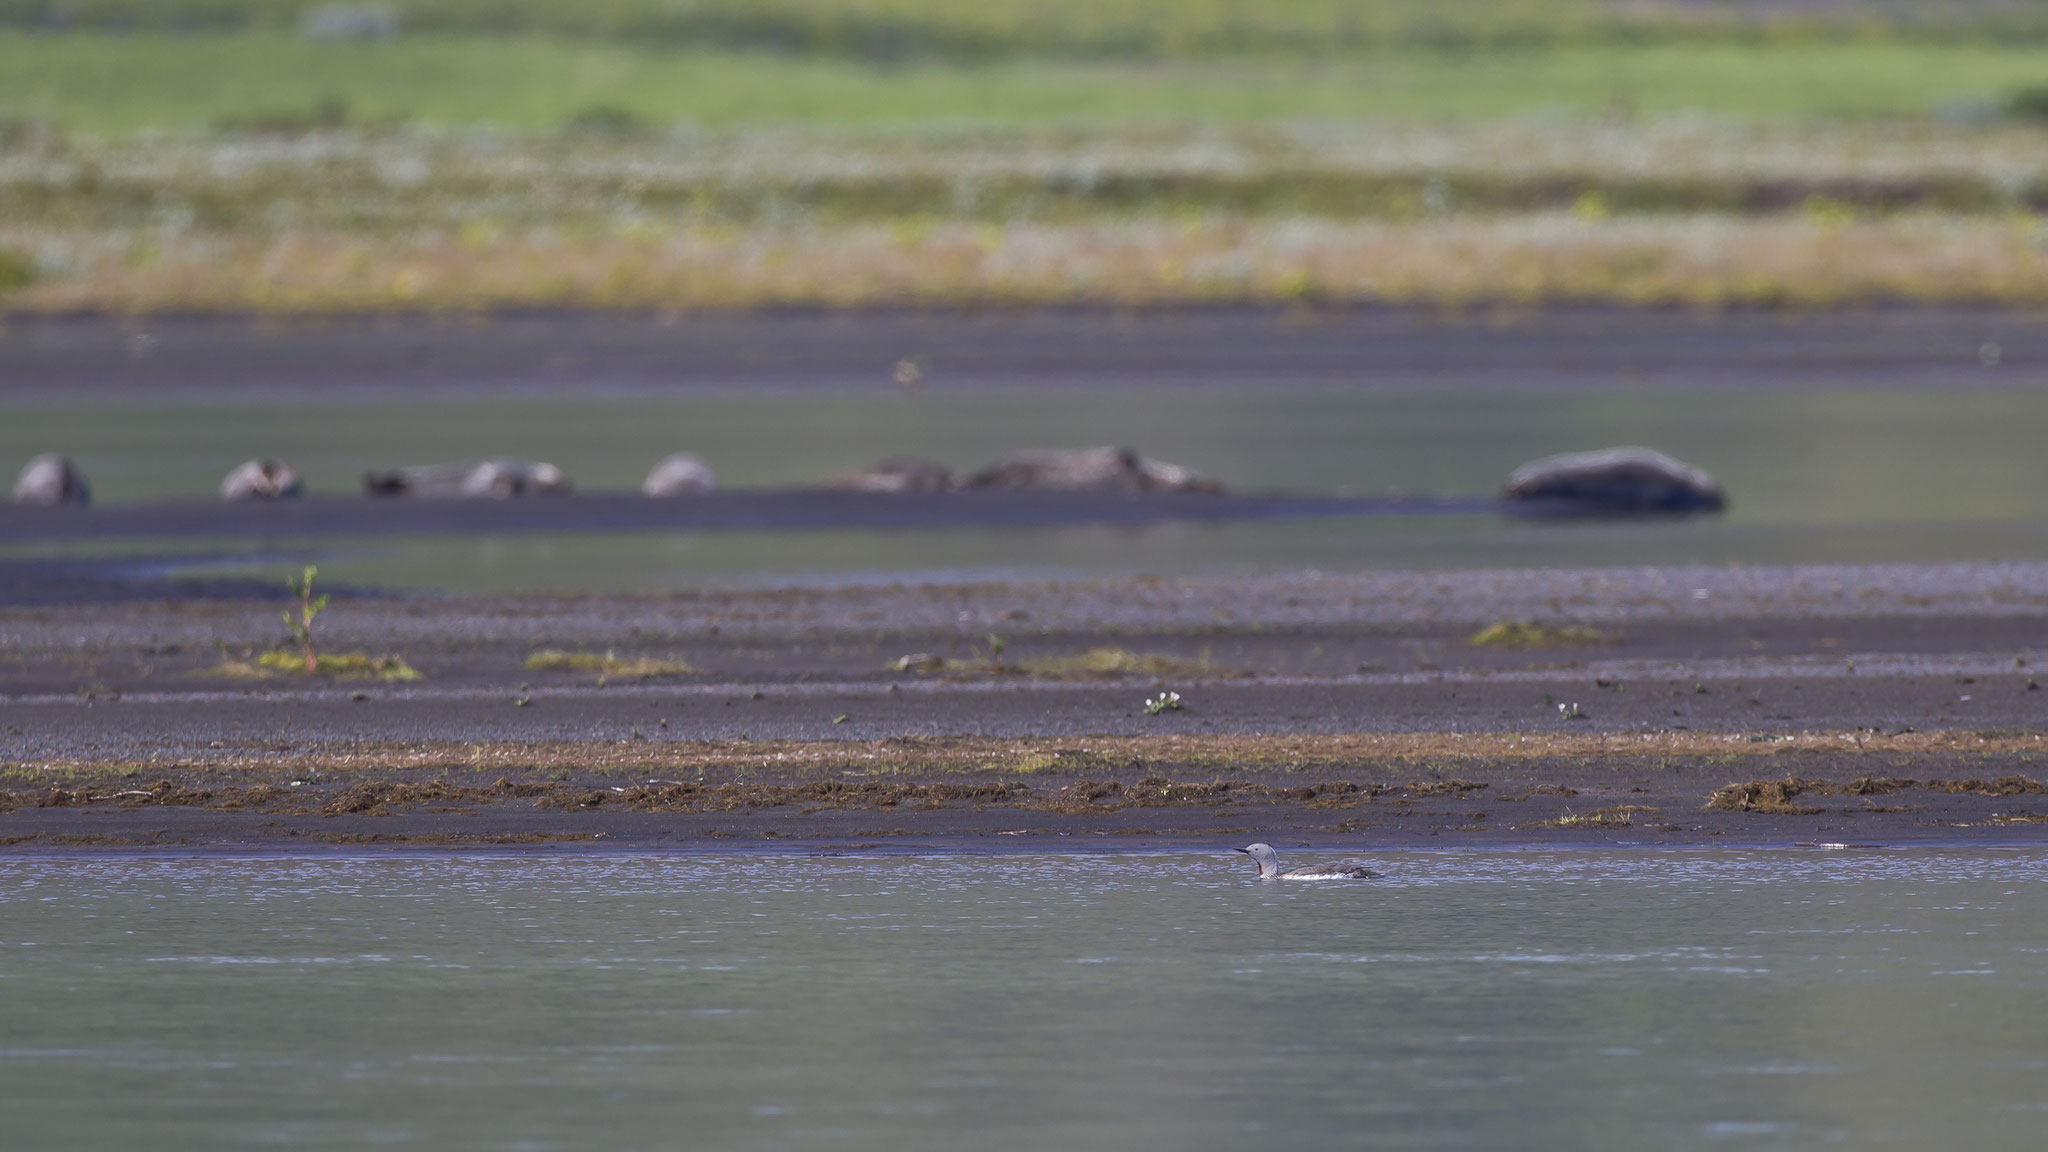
(1814, 476)
(1581, 999)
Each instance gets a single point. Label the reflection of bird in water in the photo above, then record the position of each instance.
(1269, 868)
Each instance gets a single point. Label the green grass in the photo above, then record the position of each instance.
(342, 666)
(1534, 634)
(1127, 29)
(121, 85)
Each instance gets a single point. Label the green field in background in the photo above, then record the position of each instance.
(118, 85)
(1127, 29)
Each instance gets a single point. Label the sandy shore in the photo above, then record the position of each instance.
(1877, 704)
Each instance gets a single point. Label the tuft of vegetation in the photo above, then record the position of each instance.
(309, 607)
(1164, 702)
(1622, 816)
(1100, 663)
(608, 665)
(340, 666)
(1534, 634)
(1771, 796)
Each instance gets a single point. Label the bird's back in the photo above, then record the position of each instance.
(1313, 872)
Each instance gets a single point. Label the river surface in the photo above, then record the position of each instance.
(1814, 475)
(1624, 999)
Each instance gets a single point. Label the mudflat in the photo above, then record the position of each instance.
(1823, 705)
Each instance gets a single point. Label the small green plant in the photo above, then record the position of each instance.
(1164, 702)
(309, 607)
(1571, 712)
(995, 652)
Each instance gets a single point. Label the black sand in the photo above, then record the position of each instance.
(1880, 704)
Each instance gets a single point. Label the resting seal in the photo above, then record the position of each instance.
(50, 480)
(682, 474)
(1091, 470)
(1625, 481)
(261, 479)
(477, 479)
(898, 474)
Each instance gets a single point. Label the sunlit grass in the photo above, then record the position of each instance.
(608, 665)
(1536, 634)
(1710, 261)
(339, 666)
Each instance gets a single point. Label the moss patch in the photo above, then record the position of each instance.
(1101, 663)
(1532, 634)
(339, 666)
(607, 665)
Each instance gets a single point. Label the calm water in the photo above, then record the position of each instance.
(1851, 476)
(1574, 999)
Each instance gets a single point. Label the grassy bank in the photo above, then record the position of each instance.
(1543, 259)
(259, 170)
(1681, 211)
(128, 84)
(895, 29)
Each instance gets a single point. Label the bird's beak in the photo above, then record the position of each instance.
(1246, 851)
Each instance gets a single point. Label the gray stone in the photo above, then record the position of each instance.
(261, 479)
(1628, 481)
(50, 480)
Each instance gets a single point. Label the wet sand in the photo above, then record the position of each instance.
(1875, 704)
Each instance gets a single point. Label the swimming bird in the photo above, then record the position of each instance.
(1269, 868)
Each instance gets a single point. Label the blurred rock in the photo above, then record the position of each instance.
(1630, 481)
(682, 474)
(261, 479)
(50, 480)
(900, 474)
(479, 479)
(1091, 469)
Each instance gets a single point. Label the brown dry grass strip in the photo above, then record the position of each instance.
(1066, 755)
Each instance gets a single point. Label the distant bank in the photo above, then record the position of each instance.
(1379, 348)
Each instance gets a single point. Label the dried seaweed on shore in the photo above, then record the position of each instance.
(1771, 796)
